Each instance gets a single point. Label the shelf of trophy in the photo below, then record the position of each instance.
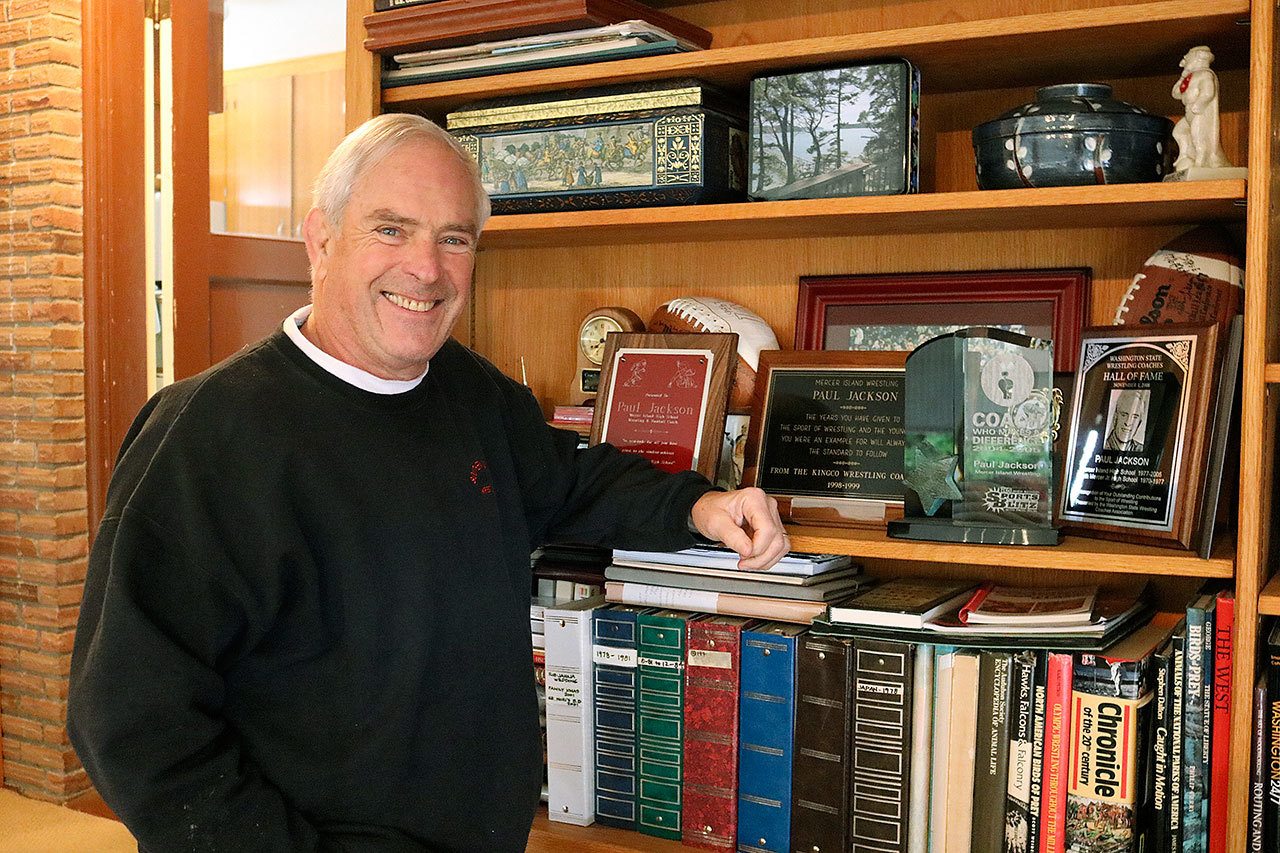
(1103, 43)
(1074, 553)
(551, 837)
(1269, 600)
(1128, 205)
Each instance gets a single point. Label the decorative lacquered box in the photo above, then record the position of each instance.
(679, 142)
(848, 131)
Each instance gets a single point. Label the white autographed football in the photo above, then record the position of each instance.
(708, 314)
(1197, 277)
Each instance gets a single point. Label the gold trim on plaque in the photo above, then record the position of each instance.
(664, 99)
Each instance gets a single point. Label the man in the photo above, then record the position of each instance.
(305, 625)
(1127, 420)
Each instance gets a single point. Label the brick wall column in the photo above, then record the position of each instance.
(43, 499)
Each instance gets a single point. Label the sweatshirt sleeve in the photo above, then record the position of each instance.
(600, 495)
(146, 699)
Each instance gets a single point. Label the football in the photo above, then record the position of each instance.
(1197, 277)
(708, 314)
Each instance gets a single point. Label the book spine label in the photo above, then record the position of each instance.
(1256, 834)
(1039, 711)
(1161, 744)
(1272, 722)
(1102, 794)
(991, 767)
(1053, 801)
(820, 766)
(614, 674)
(767, 710)
(709, 815)
(1193, 781)
(1220, 752)
(1178, 669)
(660, 722)
(570, 711)
(881, 759)
(1021, 727)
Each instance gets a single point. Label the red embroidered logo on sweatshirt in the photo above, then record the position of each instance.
(480, 477)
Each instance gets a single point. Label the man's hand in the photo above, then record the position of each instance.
(745, 520)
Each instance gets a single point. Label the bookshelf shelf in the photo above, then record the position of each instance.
(925, 213)
(1269, 601)
(1075, 552)
(1099, 44)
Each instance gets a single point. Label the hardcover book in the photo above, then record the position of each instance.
(1007, 605)
(820, 768)
(795, 567)
(991, 766)
(1223, 625)
(709, 818)
(961, 752)
(660, 658)
(918, 806)
(841, 586)
(1178, 669)
(726, 603)
(613, 653)
(570, 713)
(943, 676)
(1162, 742)
(1039, 709)
(639, 146)
(767, 710)
(1195, 831)
(902, 603)
(1108, 799)
(1057, 728)
(881, 762)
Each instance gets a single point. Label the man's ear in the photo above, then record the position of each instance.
(318, 236)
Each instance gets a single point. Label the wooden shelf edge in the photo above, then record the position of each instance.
(1271, 373)
(959, 45)
(1076, 553)
(550, 837)
(1269, 599)
(922, 213)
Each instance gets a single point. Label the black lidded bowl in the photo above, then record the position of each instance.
(1074, 134)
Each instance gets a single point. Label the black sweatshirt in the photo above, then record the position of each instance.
(305, 624)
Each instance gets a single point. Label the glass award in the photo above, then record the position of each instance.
(978, 455)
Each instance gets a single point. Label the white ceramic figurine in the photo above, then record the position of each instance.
(1200, 154)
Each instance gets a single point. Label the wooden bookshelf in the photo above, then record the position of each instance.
(538, 274)
(1064, 207)
(1269, 600)
(1075, 553)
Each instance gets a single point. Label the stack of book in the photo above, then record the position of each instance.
(471, 38)
(575, 418)
(713, 728)
(707, 579)
(568, 572)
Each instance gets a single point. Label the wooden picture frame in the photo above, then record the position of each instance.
(664, 396)
(831, 309)
(826, 435)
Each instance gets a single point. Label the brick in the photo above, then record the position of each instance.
(57, 641)
(50, 616)
(17, 727)
(9, 612)
(54, 758)
(14, 127)
(20, 499)
(62, 500)
(61, 524)
(64, 218)
(47, 145)
(14, 32)
(34, 661)
(22, 638)
(52, 571)
(67, 595)
(21, 683)
(17, 452)
(52, 453)
(34, 707)
(67, 337)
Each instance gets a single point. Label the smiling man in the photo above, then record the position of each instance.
(305, 625)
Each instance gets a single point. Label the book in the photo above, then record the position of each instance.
(1057, 726)
(1177, 668)
(1108, 802)
(1007, 605)
(505, 63)
(918, 811)
(613, 654)
(961, 752)
(717, 557)
(901, 603)
(1039, 717)
(1219, 759)
(842, 585)
(725, 603)
(709, 815)
(1161, 744)
(1195, 833)
(823, 727)
(774, 579)
(625, 31)
(571, 786)
(991, 764)
(943, 672)
(1255, 839)
(384, 5)
(660, 657)
(1017, 822)
(767, 711)
(1271, 822)
(881, 746)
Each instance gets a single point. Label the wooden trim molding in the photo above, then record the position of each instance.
(115, 198)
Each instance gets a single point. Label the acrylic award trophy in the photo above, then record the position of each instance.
(979, 423)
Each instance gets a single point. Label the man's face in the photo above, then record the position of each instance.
(1128, 416)
(394, 276)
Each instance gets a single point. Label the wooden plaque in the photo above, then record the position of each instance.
(664, 397)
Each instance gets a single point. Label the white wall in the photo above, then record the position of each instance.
(257, 32)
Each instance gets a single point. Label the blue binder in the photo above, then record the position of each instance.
(613, 648)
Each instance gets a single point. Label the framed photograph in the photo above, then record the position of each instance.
(1140, 429)
(826, 435)
(899, 311)
(664, 397)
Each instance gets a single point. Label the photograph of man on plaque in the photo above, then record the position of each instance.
(1127, 419)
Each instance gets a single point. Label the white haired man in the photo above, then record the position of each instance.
(305, 625)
